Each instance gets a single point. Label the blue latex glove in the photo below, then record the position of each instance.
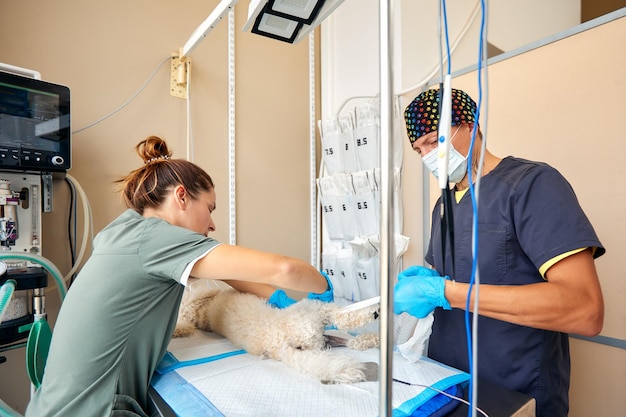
(280, 299)
(419, 291)
(326, 296)
(419, 271)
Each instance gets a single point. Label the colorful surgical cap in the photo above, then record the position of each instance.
(422, 115)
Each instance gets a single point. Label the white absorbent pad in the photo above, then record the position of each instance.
(206, 375)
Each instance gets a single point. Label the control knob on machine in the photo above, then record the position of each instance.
(57, 160)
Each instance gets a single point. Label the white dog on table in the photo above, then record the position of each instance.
(293, 335)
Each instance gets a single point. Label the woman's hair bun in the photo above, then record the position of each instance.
(153, 148)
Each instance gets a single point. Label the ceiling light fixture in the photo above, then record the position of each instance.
(287, 20)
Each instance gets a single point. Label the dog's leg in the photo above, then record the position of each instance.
(354, 319)
(363, 341)
(327, 367)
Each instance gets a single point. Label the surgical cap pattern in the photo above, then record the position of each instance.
(422, 115)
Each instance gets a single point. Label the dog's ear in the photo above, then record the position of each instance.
(204, 294)
(209, 295)
(184, 329)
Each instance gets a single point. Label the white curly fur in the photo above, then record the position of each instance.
(294, 335)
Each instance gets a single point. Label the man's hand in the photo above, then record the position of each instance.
(419, 291)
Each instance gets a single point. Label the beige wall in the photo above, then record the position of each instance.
(104, 51)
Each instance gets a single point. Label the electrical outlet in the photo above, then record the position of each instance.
(178, 77)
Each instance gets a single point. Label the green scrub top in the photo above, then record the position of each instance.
(117, 319)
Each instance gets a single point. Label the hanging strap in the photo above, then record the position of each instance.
(447, 229)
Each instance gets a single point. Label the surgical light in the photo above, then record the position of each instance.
(303, 11)
(287, 20)
(276, 27)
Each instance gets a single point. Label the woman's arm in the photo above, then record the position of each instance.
(262, 290)
(236, 263)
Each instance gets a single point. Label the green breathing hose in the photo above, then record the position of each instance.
(6, 291)
(54, 271)
(40, 333)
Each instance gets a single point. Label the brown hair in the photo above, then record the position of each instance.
(148, 185)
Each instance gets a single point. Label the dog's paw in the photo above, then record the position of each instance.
(346, 372)
(363, 341)
(184, 329)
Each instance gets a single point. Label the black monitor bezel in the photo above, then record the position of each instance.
(19, 81)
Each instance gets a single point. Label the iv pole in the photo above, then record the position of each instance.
(386, 213)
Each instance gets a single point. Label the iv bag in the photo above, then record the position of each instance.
(365, 203)
(345, 269)
(366, 270)
(347, 143)
(329, 266)
(347, 205)
(330, 207)
(331, 139)
(366, 267)
(366, 137)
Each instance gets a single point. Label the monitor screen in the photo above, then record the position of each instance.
(34, 124)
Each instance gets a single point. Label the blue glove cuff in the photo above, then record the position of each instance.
(326, 296)
(443, 302)
(280, 299)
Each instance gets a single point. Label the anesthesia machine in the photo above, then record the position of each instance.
(34, 144)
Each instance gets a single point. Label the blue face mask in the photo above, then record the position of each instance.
(457, 163)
